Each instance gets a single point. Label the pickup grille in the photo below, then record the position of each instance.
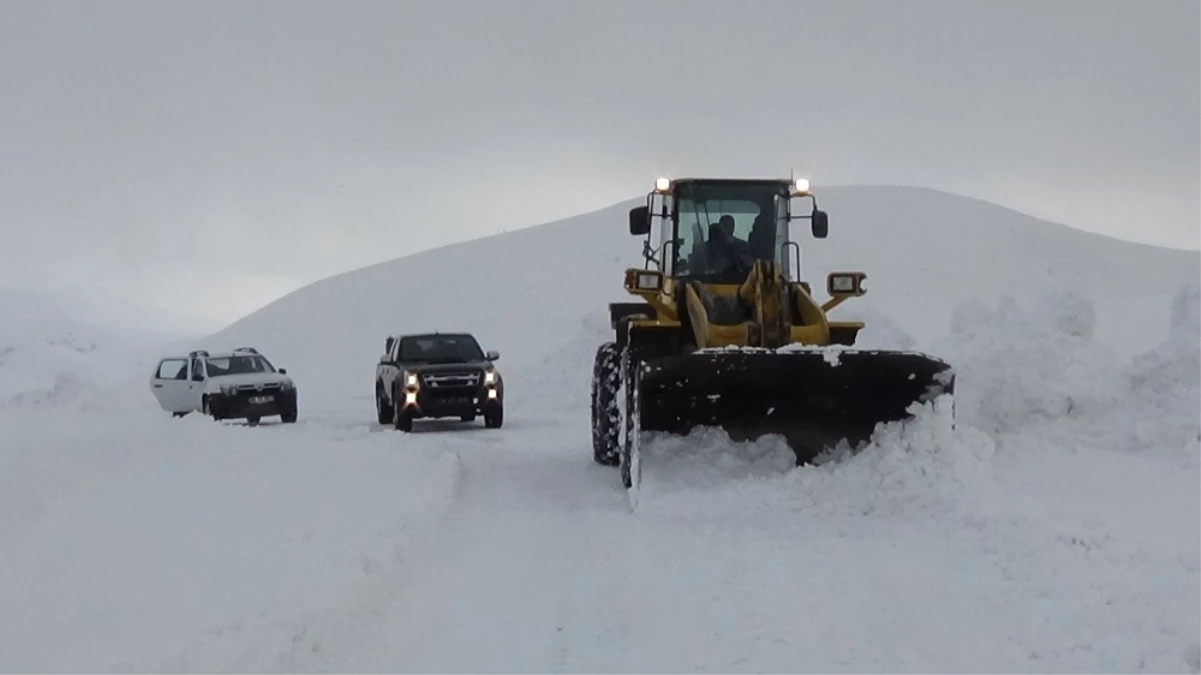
(451, 380)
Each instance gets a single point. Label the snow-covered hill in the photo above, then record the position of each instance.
(535, 292)
(1056, 529)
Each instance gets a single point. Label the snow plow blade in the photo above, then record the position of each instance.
(812, 398)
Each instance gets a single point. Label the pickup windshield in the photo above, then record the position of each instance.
(439, 349)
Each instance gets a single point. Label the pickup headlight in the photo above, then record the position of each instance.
(490, 377)
(410, 379)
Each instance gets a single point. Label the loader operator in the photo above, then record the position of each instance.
(762, 239)
(727, 253)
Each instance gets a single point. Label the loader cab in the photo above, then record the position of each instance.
(713, 230)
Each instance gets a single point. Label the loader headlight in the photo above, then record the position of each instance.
(845, 283)
(801, 186)
(643, 280)
(650, 281)
(662, 184)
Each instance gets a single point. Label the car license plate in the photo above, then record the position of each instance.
(261, 399)
(459, 400)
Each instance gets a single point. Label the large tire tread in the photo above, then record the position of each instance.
(606, 414)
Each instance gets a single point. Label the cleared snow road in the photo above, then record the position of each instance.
(538, 566)
(336, 545)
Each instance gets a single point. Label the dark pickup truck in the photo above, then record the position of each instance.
(435, 375)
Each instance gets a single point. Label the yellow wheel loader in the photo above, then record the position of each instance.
(727, 335)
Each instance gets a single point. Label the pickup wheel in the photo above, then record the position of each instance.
(494, 418)
(402, 419)
(383, 409)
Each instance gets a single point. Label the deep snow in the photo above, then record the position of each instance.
(1055, 529)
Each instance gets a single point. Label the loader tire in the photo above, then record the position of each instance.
(631, 371)
(606, 416)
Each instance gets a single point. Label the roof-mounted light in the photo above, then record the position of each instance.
(662, 184)
(801, 186)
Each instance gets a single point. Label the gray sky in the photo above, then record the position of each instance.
(209, 156)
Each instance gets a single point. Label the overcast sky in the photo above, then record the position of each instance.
(209, 156)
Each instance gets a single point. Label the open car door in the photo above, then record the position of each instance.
(169, 384)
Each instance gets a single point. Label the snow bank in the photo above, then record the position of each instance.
(1019, 366)
(1160, 406)
(170, 545)
(1186, 314)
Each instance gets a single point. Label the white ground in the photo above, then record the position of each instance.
(1057, 529)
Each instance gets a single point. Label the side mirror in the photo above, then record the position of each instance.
(492, 355)
(283, 371)
(821, 224)
(640, 221)
(385, 360)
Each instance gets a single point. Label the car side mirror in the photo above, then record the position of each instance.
(821, 224)
(283, 371)
(640, 221)
(385, 360)
(492, 355)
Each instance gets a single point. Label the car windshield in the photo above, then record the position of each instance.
(237, 365)
(440, 349)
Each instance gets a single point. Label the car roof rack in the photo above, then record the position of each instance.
(198, 352)
(246, 350)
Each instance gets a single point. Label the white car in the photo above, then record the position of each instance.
(241, 384)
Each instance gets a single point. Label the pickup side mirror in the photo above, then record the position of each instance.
(386, 360)
(640, 221)
(492, 355)
(821, 224)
